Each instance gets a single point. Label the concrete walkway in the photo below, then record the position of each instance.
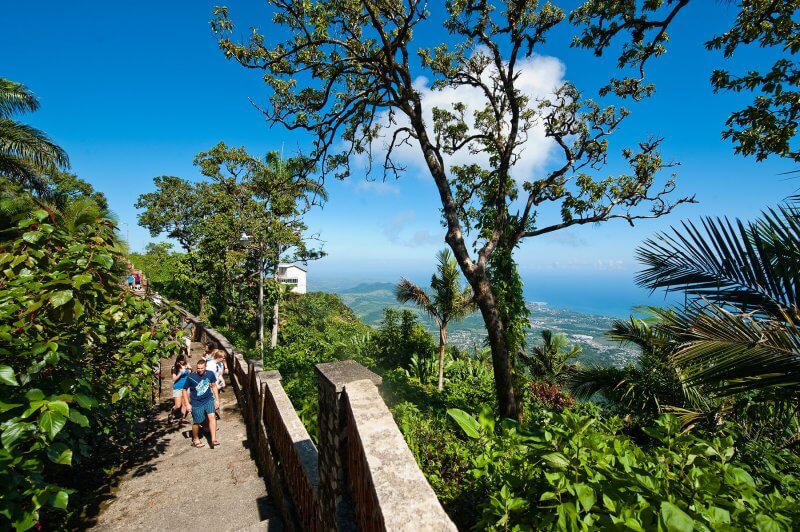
(174, 486)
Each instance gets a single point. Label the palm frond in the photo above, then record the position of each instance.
(23, 173)
(779, 234)
(408, 292)
(79, 214)
(648, 335)
(16, 98)
(451, 300)
(731, 352)
(724, 261)
(30, 144)
(608, 381)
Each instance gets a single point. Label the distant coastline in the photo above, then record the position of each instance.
(588, 330)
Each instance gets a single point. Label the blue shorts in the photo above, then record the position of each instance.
(199, 411)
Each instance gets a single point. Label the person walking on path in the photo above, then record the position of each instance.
(201, 393)
(180, 371)
(130, 282)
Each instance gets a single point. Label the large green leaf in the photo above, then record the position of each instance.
(32, 236)
(85, 401)
(586, 496)
(60, 500)
(51, 422)
(61, 298)
(34, 394)
(16, 431)
(77, 417)
(675, 519)
(5, 407)
(59, 453)
(556, 460)
(7, 376)
(81, 279)
(468, 424)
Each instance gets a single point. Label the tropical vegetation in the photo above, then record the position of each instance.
(26, 153)
(78, 354)
(701, 432)
(235, 228)
(448, 301)
(350, 83)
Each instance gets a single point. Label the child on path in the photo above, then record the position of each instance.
(201, 394)
(130, 282)
(219, 359)
(180, 371)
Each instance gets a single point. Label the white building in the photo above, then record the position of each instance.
(292, 275)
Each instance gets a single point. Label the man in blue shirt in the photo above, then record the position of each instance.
(201, 393)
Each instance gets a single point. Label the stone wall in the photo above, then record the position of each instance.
(362, 476)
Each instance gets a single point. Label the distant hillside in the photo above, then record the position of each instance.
(587, 330)
(366, 288)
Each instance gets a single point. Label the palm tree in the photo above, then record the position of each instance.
(447, 302)
(650, 386)
(551, 361)
(739, 329)
(25, 152)
(78, 215)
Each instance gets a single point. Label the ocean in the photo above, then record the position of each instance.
(613, 295)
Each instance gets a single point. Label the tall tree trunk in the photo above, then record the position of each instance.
(201, 314)
(261, 307)
(501, 363)
(273, 341)
(442, 343)
(474, 271)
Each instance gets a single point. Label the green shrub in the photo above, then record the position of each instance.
(579, 472)
(444, 458)
(315, 328)
(399, 338)
(77, 357)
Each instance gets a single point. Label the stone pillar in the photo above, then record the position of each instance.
(254, 367)
(336, 507)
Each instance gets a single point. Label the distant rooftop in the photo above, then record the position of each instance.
(287, 265)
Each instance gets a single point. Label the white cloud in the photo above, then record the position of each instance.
(393, 228)
(597, 264)
(567, 238)
(538, 77)
(398, 229)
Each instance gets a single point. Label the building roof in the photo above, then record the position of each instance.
(282, 265)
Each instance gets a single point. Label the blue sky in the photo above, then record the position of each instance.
(135, 90)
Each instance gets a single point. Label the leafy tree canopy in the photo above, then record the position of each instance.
(347, 74)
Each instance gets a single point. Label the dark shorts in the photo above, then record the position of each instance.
(201, 410)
